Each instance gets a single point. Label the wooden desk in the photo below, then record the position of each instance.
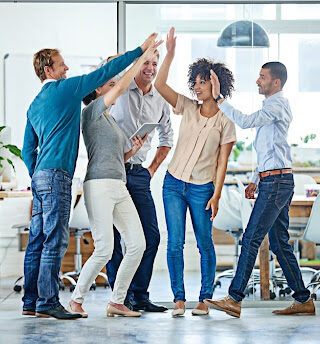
(14, 194)
(300, 208)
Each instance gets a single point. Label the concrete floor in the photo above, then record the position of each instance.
(257, 324)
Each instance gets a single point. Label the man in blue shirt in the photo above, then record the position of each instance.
(270, 214)
(50, 152)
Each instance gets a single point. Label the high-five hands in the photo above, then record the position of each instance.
(171, 42)
(151, 50)
(215, 84)
(149, 41)
(137, 143)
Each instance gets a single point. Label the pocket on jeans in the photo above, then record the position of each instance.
(147, 172)
(45, 193)
(36, 210)
(284, 194)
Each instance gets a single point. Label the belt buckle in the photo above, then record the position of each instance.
(131, 166)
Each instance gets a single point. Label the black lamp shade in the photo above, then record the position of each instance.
(245, 34)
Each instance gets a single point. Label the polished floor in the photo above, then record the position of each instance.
(256, 325)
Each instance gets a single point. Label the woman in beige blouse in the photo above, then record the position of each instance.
(197, 170)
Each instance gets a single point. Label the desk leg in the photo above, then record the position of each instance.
(264, 269)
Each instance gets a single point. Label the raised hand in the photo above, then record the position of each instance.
(215, 84)
(152, 50)
(171, 42)
(149, 41)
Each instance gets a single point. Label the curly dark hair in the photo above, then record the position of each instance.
(202, 67)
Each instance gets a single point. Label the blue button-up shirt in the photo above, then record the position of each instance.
(272, 124)
(132, 109)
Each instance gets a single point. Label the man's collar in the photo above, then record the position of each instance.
(134, 86)
(274, 96)
(48, 80)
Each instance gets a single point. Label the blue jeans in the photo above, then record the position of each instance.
(48, 238)
(177, 197)
(138, 184)
(270, 215)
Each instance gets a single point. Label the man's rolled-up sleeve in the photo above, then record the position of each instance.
(165, 129)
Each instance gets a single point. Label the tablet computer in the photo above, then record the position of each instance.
(144, 129)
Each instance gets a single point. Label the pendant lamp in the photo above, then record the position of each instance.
(244, 34)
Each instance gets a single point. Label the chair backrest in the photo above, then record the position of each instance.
(80, 218)
(312, 231)
(246, 206)
(229, 216)
(300, 180)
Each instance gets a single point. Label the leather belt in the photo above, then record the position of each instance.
(274, 172)
(130, 166)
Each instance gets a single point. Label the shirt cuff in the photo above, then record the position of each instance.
(255, 178)
(228, 140)
(165, 144)
(224, 107)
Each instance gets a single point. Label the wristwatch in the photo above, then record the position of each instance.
(220, 96)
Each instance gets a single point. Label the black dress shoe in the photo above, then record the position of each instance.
(148, 306)
(58, 313)
(128, 304)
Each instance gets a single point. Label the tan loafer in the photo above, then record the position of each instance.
(112, 311)
(84, 314)
(28, 312)
(296, 308)
(227, 305)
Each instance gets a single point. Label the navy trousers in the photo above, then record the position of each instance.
(270, 215)
(138, 184)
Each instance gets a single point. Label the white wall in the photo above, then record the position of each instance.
(75, 29)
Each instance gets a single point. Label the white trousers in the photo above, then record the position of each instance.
(108, 202)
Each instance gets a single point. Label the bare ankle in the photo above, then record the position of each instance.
(179, 304)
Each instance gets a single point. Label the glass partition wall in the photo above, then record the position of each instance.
(293, 31)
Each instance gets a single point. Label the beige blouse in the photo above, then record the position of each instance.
(196, 155)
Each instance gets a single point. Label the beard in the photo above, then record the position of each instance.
(265, 90)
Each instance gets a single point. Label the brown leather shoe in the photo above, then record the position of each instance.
(227, 305)
(296, 308)
(28, 312)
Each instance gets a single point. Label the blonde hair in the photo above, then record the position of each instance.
(41, 59)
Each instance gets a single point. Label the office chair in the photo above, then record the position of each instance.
(312, 234)
(233, 216)
(79, 225)
(298, 224)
